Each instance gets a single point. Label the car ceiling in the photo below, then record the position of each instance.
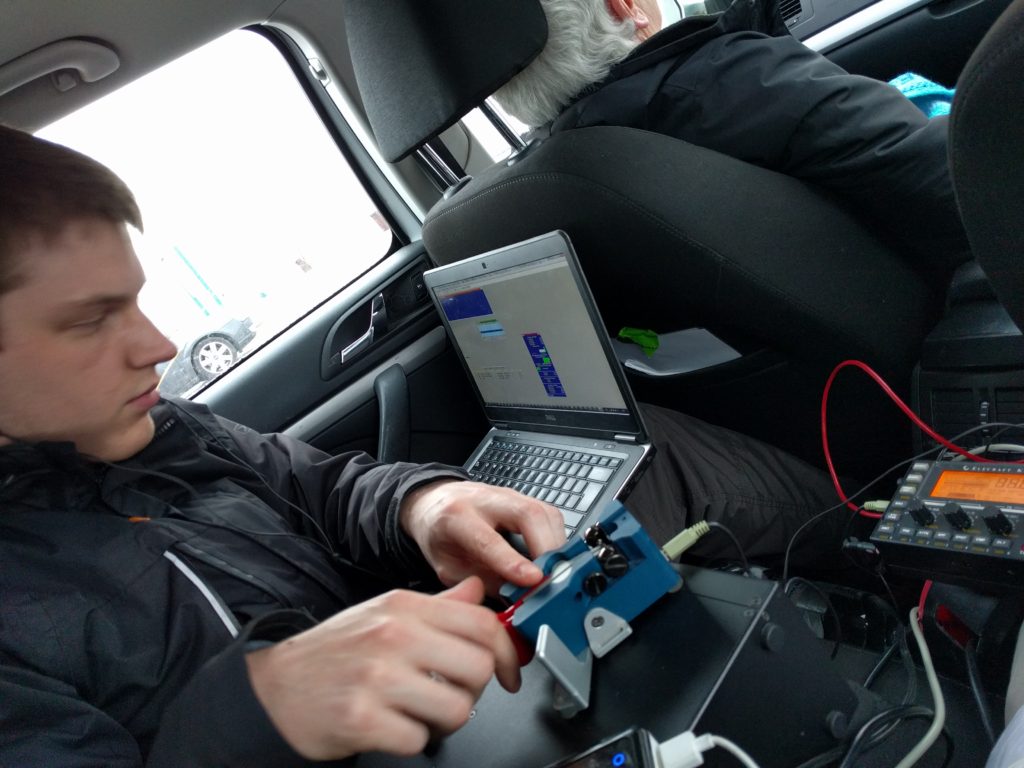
(144, 36)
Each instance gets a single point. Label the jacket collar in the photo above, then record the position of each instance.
(760, 16)
(678, 40)
(55, 474)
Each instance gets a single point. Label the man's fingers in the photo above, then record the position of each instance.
(479, 626)
(470, 590)
(543, 529)
(401, 733)
(473, 545)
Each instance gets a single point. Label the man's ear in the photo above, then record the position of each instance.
(628, 9)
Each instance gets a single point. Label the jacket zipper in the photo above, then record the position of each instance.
(211, 597)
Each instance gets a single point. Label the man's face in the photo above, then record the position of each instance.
(77, 355)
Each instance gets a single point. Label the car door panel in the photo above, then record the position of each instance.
(934, 41)
(283, 386)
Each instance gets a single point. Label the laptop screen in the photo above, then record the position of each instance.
(531, 344)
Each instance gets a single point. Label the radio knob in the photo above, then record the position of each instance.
(921, 514)
(956, 516)
(997, 522)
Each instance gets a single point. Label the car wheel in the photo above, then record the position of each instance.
(212, 356)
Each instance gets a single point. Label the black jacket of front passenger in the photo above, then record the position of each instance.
(129, 592)
(740, 84)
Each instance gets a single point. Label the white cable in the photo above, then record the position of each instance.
(998, 448)
(739, 754)
(995, 448)
(939, 704)
(684, 750)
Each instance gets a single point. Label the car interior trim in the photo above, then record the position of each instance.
(861, 23)
(388, 190)
(361, 391)
(92, 61)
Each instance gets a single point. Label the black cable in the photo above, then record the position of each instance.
(829, 758)
(736, 543)
(880, 665)
(909, 693)
(888, 589)
(904, 649)
(831, 609)
(256, 536)
(864, 738)
(325, 544)
(825, 759)
(978, 689)
(947, 739)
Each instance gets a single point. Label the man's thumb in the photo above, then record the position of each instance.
(469, 590)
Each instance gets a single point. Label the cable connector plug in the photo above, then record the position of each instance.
(683, 541)
(683, 751)
(876, 505)
(686, 751)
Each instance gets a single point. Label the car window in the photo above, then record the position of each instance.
(252, 216)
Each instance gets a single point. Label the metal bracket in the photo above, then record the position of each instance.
(571, 673)
(604, 630)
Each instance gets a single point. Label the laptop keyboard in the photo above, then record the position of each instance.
(568, 479)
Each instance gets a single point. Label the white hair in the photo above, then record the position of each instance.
(584, 42)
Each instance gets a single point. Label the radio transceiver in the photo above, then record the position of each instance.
(957, 520)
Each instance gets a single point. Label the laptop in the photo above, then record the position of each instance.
(565, 427)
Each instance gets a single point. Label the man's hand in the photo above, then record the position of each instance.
(384, 675)
(456, 526)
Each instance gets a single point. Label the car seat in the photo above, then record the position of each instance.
(670, 235)
(972, 365)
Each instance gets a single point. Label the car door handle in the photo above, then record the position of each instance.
(378, 322)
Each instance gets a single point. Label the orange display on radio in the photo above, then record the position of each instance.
(980, 486)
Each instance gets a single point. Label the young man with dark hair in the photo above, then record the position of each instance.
(179, 590)
(175, 588)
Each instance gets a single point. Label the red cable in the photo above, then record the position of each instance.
(920, 603)
(902, 406)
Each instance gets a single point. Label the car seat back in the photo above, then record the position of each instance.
(670, 235)
(987, 156)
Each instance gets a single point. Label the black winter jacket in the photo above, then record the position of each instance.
(124, 587)
(740, 84)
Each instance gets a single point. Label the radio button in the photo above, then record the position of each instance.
(898, 504)
(913, 477)
(998, 523)
(961, 538)
(884, 528)
(906, 531)
(924, 533)
(921, 514)
(942, 536)
(981, 541)
(921, 466)
(956, 516)
(1001, 543)
(909, 490)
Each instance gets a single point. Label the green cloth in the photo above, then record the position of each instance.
(648, 340)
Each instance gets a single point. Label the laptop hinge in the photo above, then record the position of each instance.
(625, 438)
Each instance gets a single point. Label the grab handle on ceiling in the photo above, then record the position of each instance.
(92, 61)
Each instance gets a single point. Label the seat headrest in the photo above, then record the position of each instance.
(986, 151)
(423, 64)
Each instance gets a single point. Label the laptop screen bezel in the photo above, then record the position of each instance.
(588, 423)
